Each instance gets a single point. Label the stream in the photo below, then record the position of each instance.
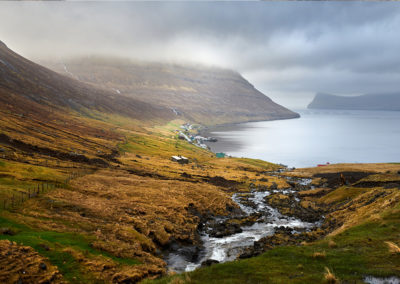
(228, 248)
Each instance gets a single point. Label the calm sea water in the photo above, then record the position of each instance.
(315, 138)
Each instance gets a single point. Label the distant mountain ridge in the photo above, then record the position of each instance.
(390, 102)
(206, 95)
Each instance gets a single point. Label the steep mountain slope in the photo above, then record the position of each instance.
(45, 113)
(22, 79)
(202, 94)
(364, 102)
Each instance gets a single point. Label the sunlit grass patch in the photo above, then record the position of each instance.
(343, 193)
(24, 171)
(393, 248)
(52, 245)
(319, 255)
(330, 277)
(162, 146)
(259, 163)
(18, 178)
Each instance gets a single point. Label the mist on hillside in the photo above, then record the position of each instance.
(346, 49)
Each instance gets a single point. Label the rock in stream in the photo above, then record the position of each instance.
(225, 239)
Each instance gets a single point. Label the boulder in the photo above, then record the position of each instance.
(209, 262)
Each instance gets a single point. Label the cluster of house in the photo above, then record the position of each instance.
(194, 139)
(183, 160)
(180, 159)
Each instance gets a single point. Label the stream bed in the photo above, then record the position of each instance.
(228, 248)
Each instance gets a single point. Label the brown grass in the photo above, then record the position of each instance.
(131, 209)
(393, 248)
(365, 206)
(330, 277)
(21, 264)
(332, 244)
(319, 255)
(187, 278)
(129, 215)
(177, 280)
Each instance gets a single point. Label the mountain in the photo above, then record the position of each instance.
(48, 114)
(201, 94)
(389, 102)
(24, 81)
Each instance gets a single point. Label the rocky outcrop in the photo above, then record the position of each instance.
(282, 237)
(290, 206)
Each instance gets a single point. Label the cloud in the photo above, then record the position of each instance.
(289, 50)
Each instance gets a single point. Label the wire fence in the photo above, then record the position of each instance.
(19, 197)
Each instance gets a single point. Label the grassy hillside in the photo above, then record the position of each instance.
(44, 114)
(121, 216)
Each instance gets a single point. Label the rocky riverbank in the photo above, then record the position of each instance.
(358, 228)
(267, 216)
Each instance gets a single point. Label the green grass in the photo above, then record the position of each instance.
(259, 163)
(164, 147)
(343, 193)
(57, 241)
(24, 171)
(18, 177)
(359, 251)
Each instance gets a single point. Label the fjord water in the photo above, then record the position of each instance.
(317, 137)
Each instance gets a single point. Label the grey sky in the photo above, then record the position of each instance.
(288, 50)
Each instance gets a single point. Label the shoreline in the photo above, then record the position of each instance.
(316, 139)
(205, 127)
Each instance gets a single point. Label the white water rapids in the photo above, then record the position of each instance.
(228, 248)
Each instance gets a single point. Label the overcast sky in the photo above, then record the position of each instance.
(288, 50)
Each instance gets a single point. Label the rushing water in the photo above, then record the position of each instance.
(315, 138)
(378, 280)
(227, 248)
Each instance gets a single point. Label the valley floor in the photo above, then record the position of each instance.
(71, 221)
